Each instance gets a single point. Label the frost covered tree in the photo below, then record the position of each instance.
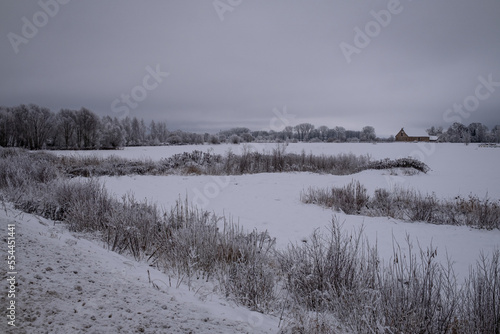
(112, 134)
(66, 124)
(7, 135)
(457, 133)
(368, 134)
(323, 132)
(303, 130)
(494, 135)
(478, 132)
(39, 124)
(87, 129)
(341, 133)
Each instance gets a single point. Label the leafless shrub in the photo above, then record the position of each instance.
(249, 162)
(418, 295)
(476, 212)
(91, 166)
(300, 321)
(480, 307)
(336, 275)
(409, 163)
(19, 167)
(351, 199)
(407, 204)
(87, 205)
(251, 279)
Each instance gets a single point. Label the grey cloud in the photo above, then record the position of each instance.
(265, 54)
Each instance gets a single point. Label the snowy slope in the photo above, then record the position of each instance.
(67, 284)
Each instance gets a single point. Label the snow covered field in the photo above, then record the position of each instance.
(272, 201)
(67, 284)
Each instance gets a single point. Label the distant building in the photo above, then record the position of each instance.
(402, 136)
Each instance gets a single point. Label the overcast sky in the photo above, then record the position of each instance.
(232, 62)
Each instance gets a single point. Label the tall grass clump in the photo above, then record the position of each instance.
(248, 162)
(350, 199)
(332, 274)
(480, 305)
(337, 283)
(417, 294)
(407, 204)
(19, 168)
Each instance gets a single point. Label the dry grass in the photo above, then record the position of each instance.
(406, 204)
(331, 282)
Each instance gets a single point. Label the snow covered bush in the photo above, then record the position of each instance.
(417, 294)
(250, 278)
(398, 163)
(332, 274)
(234, 139)
(480, 305)
(248, 162)
(407, 204)
(20, 167)
(350, 199)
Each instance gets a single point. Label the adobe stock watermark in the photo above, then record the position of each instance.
(458, 112)
(139, 93)
(223, 6)
(483, 91)
(372, 29)
(281, 120)
(30, 28)
(210, 191)
(424, 149)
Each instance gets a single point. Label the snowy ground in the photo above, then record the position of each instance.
(272, 201)
(67, 284)
(457, 169)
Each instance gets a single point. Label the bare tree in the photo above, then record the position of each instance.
(39, 124)
(368, 134)
(323, 132)
(66, 126)
(303, 130)
(87, 129)
(341, 133)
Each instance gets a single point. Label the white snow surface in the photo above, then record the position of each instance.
(457, 169)
(271, 201)
(68, 284)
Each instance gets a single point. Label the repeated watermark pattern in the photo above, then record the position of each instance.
(483, 91)
(372, 29)
(30, 28)
(223, 6)
(212, 189)
(457, 113)
(138, 93)
(281, 120)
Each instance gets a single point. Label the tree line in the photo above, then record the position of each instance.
(34, 127)
(472, 133)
